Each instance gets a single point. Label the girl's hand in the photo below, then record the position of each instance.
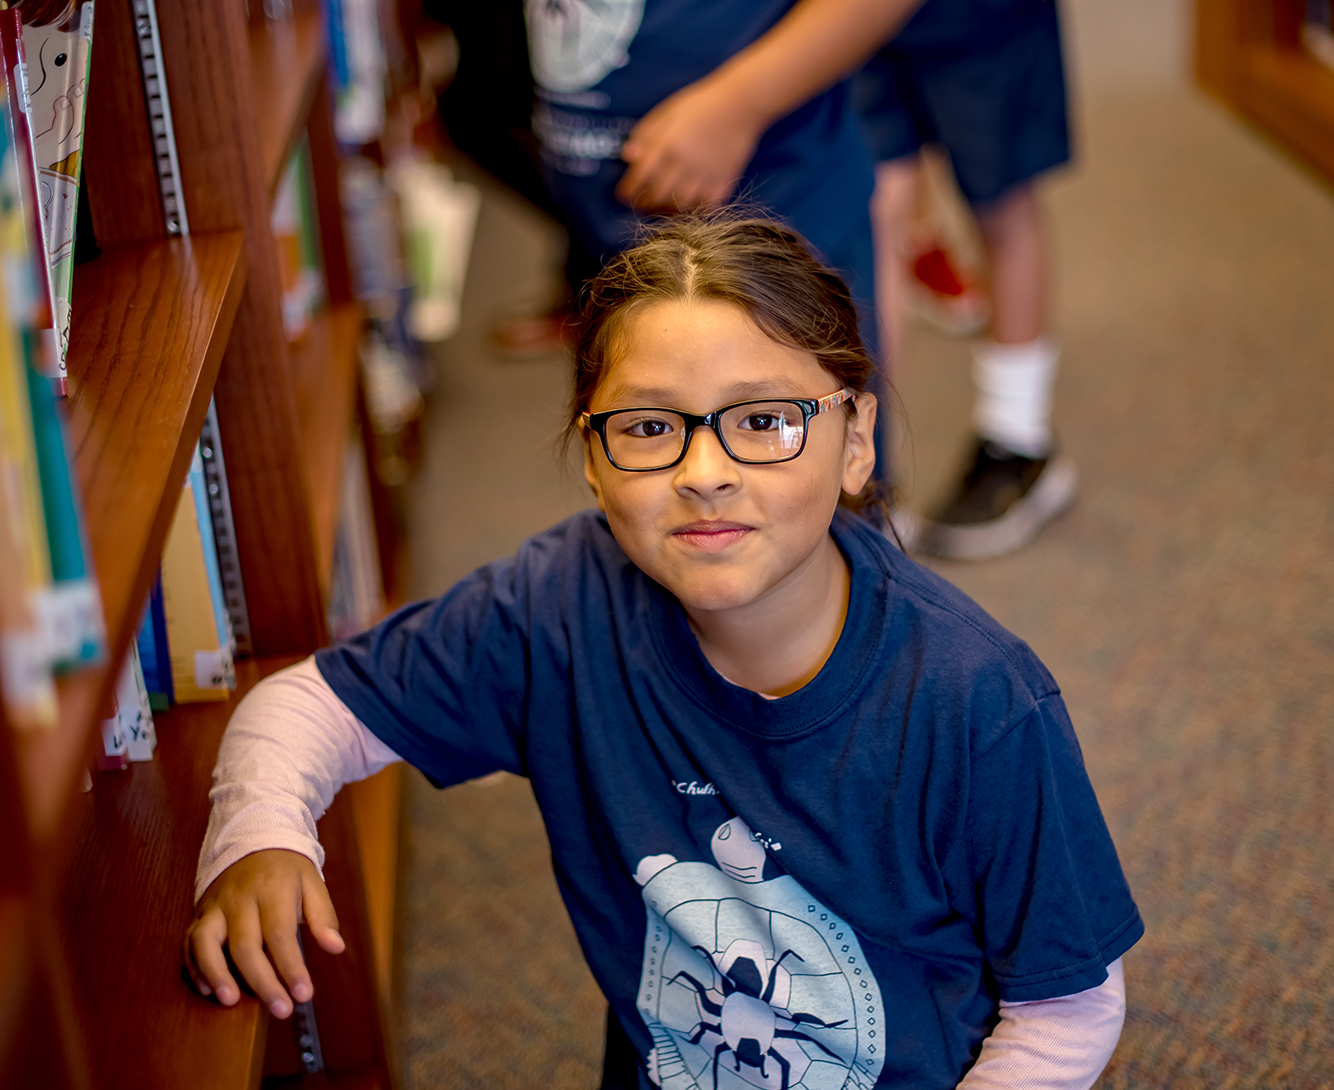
(688, 152)
(254, 906)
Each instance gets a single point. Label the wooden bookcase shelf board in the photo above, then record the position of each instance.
(286, 63)
(95, 889)
(1249, 54)
(325, 369)
(144, 353)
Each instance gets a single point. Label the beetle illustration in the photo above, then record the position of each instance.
(747, 1022)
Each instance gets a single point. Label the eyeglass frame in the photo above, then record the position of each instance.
(810, 408)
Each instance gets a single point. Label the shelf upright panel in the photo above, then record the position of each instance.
(325, 366)
(207, 50)
(1248, 54)
(286, 66)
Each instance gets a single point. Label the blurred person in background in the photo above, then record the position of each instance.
(983, 80)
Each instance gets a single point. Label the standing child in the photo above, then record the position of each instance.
(983, 81)
(817, 819)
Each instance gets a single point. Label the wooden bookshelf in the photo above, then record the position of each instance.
(96, 887)
(1249, 54)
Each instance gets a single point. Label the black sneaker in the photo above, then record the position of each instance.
(1003, 500)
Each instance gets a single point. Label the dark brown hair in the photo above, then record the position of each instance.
(760, 266)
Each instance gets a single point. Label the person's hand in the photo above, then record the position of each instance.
(688, 152)
(254, 905)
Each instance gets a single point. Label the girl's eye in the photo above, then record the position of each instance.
(761, 422)
(647, 428)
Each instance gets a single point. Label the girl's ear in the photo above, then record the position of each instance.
(590, 471)
(859, 452)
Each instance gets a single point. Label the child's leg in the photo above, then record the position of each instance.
(892, 209)
(1015, 368)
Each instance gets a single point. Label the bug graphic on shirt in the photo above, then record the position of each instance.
(748, 1024)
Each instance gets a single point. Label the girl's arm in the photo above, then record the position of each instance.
(691, 149)
(1053, 1044)
(288, 749)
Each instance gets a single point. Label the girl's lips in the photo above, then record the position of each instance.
(711, 537)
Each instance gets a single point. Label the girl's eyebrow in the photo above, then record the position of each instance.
(741, 391)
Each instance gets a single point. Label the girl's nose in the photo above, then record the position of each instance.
(707, 468)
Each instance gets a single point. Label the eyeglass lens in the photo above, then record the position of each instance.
(768, 431)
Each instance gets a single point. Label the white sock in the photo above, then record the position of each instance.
(1013, 405)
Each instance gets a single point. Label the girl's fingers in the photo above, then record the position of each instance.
(319, 912)
(205, 960)
(246, 944)
(278, 924)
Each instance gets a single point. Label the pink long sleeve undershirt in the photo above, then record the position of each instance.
(292, 743)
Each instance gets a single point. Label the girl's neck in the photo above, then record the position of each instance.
(778, 644)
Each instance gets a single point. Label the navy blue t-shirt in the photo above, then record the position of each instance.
(834, 888)
(600, 67)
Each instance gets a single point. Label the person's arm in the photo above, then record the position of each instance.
(1053, 1044)
(290, 746)
(690, 150)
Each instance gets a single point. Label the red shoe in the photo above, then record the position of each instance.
(939, 294)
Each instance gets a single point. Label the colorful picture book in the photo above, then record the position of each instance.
(58, 50)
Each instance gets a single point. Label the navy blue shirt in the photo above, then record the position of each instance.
(832, 888)
(600, 67)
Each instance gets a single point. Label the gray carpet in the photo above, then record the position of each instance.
(1184, 604)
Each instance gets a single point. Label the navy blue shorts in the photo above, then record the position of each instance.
(994, 101)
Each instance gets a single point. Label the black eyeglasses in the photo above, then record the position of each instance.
(752, 432)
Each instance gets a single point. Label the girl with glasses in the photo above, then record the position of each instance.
(817, 819)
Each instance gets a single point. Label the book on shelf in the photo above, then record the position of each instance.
(154, 651)
(356, 595)
(51, 614)
(358, 65)
(15, 64)
(57, 43)
(29, 688)
(295, 225)
(128, 733)
(199, 634)
(69, 608)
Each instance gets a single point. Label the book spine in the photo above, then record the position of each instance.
(159, 117)
(224, 530)
(135, 714)
(58, 92)
(204, 517)
(115, 746)
(11, 46)
(72, 607)
(28, 686)
(200, 663)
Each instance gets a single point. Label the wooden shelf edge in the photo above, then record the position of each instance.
(151, 321)
(286, 63)
(325, 366)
